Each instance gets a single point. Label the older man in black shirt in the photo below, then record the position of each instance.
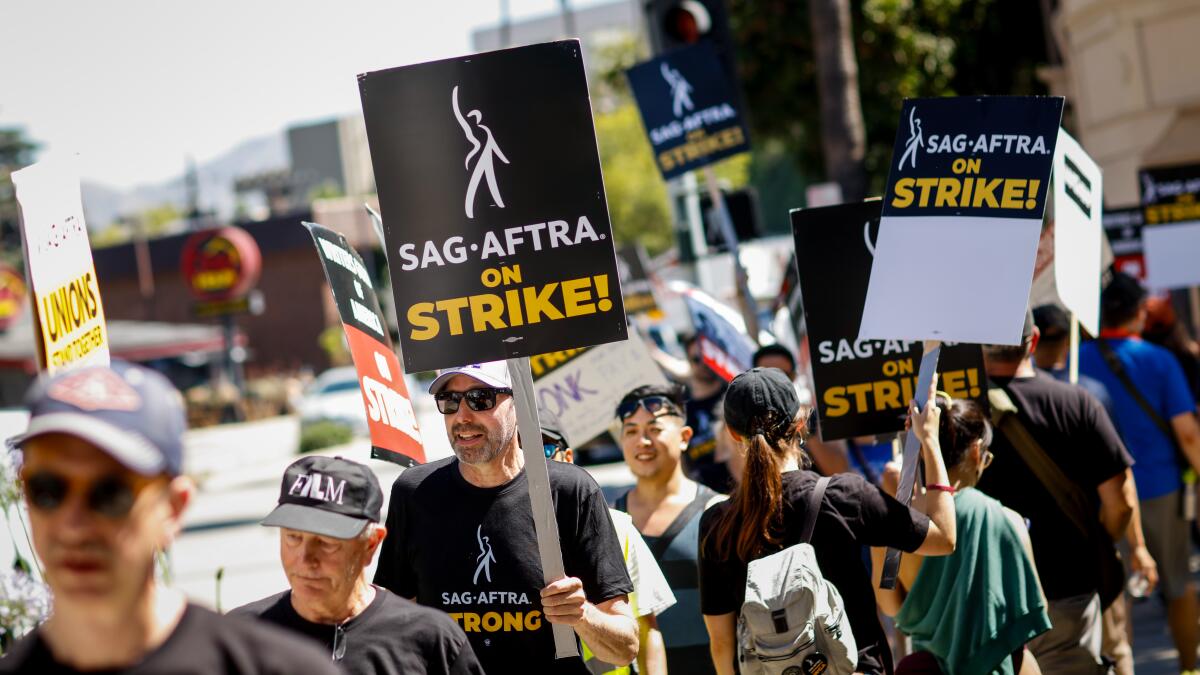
(328, 515)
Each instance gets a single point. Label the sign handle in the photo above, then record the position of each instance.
(538, 476)
(912, 456)
(1073, 366)
(725, 222)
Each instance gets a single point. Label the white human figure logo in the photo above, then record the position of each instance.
(681, 90)
(1149, 190)
(484, 163)
(485, 558)
(915, 137)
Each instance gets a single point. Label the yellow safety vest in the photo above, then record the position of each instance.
(595, 665)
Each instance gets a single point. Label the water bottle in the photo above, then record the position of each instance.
(1138, 585)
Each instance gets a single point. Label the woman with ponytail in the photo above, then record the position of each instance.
(767, 510)
(971, 612)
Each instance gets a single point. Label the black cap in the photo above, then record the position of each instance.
(761, 401)
(329, 496)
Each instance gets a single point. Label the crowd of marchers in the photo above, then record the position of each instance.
(745, 544)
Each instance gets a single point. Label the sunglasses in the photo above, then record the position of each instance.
(110, 496)
(657, 406)
(478, 400)
(552, 447)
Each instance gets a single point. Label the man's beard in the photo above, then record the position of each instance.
(494, 443)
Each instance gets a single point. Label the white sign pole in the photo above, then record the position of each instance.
(731, 242)
(544, 522)
(912, 455)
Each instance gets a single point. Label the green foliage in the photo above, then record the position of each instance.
(637, 196)
(905, 49)
(333, 341)
(326, 190)
(16, 152)
(324, 434)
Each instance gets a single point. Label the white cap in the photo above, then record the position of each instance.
(492, 373)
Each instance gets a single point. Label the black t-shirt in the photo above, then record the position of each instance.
(1071, 426)
(472, 553)
(699, 462)
(854, 514)
(392, 635)
(204, 643)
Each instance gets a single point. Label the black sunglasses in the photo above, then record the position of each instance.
(109, 496)
(478, 400)
(655, 405)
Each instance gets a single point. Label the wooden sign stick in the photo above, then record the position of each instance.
(912, 455)
(544, 523)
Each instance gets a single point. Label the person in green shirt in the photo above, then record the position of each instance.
(970, 612)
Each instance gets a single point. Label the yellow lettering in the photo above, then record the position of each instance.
(420, 316)
(904, 193)
(487, 311)
(576, 297)
(835, 402)
(453, 308)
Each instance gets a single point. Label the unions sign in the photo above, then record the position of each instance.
(493, 205)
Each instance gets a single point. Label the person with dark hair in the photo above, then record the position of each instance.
(1056, 429)
(1050, 354)
(775, 356)
(665, 506)
(767, 511)
(970, 612)
(1156, 415)
(704, 390)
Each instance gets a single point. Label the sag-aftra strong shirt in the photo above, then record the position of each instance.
(472, 553)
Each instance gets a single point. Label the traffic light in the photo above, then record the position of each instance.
(673, 24)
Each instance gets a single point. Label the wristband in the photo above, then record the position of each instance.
(941, 487)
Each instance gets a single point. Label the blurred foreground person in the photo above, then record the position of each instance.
(665, 506)
(651, 594)
(328, 519)
(102, 465)
(1156, 416)
(1057, 460)
(767, 513)
(971, 612)
(460, 538)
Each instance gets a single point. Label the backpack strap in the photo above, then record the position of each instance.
(660, 546)
(814, 507)
(1114, 364)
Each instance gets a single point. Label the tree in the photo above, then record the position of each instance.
(843, 138)
(16, 152)
(903, 49)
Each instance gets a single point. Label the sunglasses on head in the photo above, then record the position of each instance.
(553, 446)
(478, 400)
(109, 496)
(657, 406)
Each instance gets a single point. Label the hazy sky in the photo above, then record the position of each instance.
(135, 85)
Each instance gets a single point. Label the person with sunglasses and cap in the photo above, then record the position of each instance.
(767, 513)
(460, 538)
(102, 469)
(665, 506)
(328, 518)
(651, 593)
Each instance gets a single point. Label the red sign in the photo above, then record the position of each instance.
(12, 296)
(221, 263)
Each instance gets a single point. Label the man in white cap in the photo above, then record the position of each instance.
(102, 472)
(461, 539)
(328, 519)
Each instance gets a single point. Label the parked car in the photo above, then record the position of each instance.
(334, 396)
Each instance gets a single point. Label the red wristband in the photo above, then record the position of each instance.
(940, 486)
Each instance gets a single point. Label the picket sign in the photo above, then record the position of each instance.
(538, 475)
(912, 455)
